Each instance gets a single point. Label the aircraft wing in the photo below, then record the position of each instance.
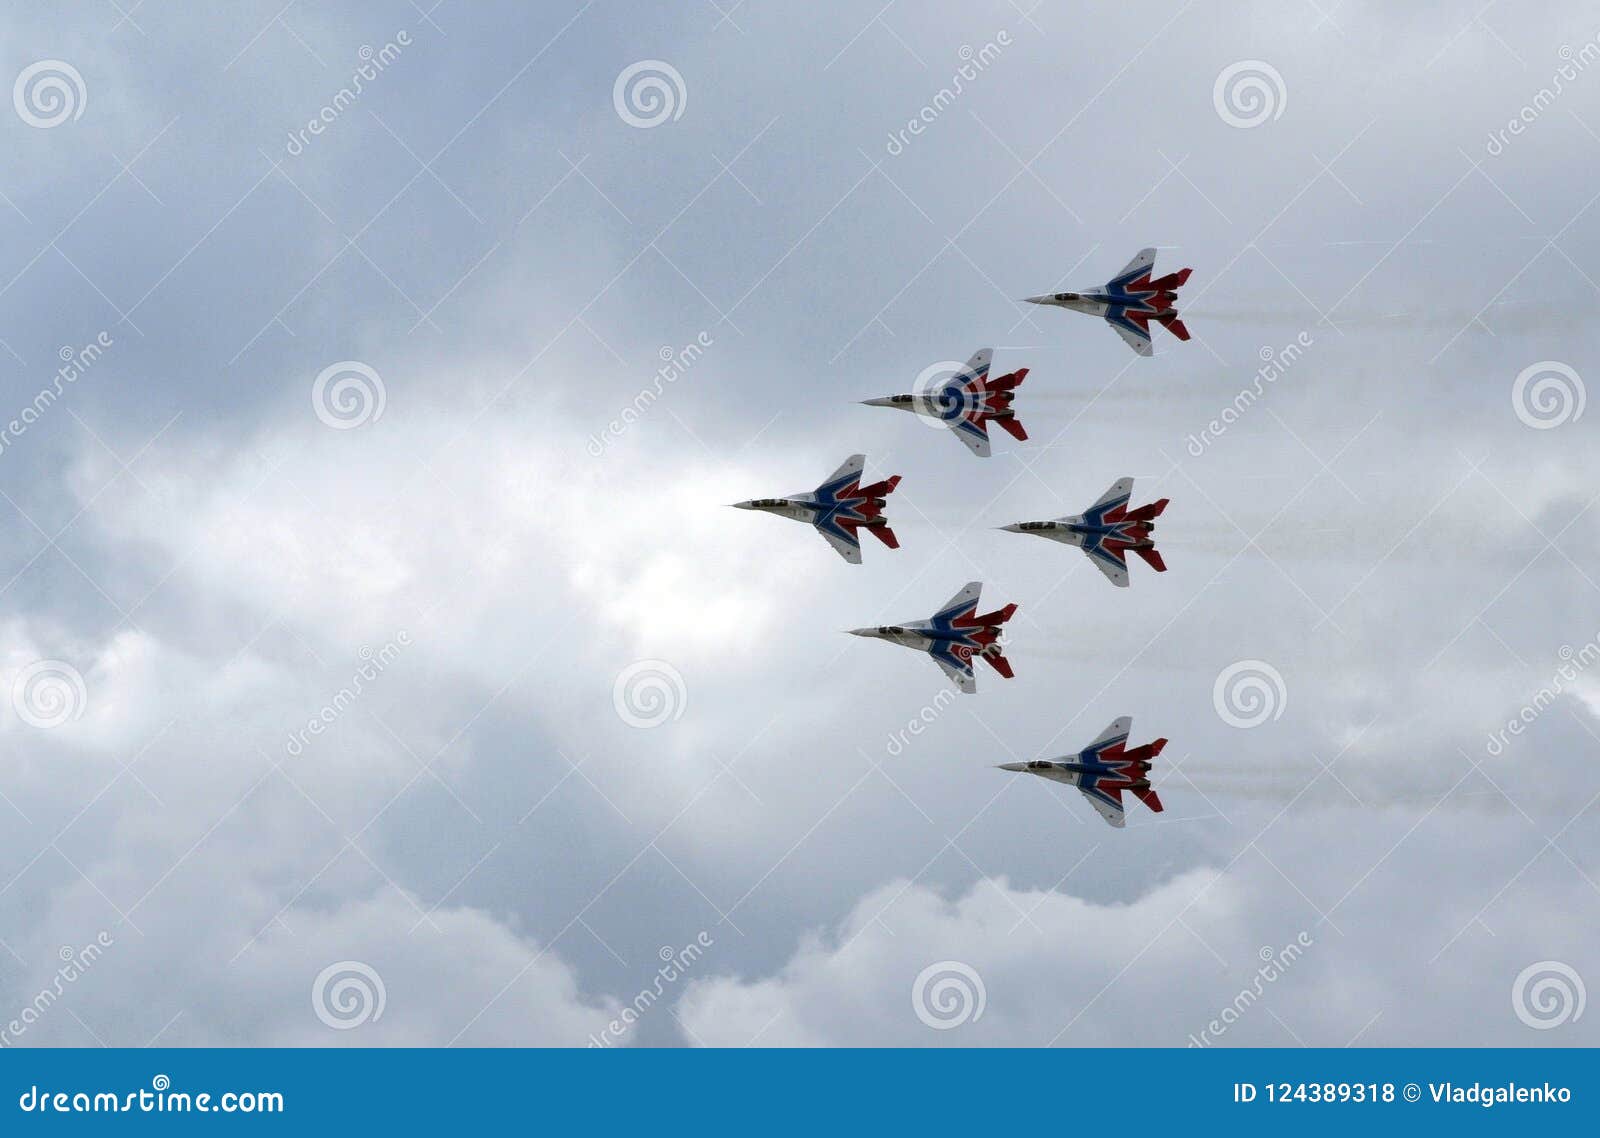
(1135, 337)
(1103, 801)
(967, 598)
(848, 546)
(960, 673)
(1118, 729)
(1143, 261)
(849, 471)
(975, 435)
(1117, 494)
(977, 367)
(1111, 563)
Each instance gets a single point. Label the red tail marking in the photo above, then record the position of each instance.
(999, 616)
(1148, 513)
(1175, 326)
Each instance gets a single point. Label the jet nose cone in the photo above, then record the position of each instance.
(1012, 767)
(885, 402)
(860, 631)
(1037, 299)
(743, 505)
(1014, 527)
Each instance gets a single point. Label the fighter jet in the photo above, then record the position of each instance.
(1106, 531)
(1129, 301)
(839, 508)
(953, 636)
(967, 402)
(1103, 770)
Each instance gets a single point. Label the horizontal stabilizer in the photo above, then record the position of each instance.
(885, 535)
(880, 489)
(1175, 326)
(1008, 382)
(1152, 558)
(1000, 664)
(1151, 799)
(1012, 428)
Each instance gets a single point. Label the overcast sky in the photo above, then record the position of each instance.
(342, 441)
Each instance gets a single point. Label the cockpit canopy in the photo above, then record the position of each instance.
(900, 398)
(1040, 765)
(890, 630)
(1031, 527)
(761, 503)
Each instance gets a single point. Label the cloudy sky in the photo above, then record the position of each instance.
(340, 439)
